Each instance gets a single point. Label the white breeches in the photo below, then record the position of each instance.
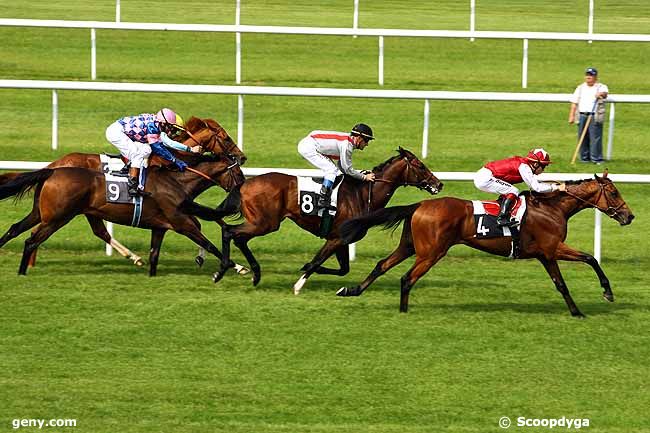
(307, 148)
(488, 183)
(136, 152)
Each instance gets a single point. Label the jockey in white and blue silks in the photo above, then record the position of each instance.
(320, 148)
(137, 137)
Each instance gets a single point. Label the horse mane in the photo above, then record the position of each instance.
(193, 159)
(383, 165)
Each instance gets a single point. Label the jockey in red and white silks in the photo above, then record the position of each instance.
(499, 176)
(320, 148)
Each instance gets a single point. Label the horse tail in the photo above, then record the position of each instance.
(356, 228)
(231, 206)
(4, 178)
(23, 183)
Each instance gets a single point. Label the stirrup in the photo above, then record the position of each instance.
(502, 222)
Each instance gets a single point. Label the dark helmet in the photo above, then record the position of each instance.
(362, 130)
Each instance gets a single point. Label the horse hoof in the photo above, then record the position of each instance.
(199, 261)
(299, 285)
(609, 297)
(241, 270)
(138, 262)
(343, 291)
(217, 276)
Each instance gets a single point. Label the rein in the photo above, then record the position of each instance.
(609, 211)
(205, 176)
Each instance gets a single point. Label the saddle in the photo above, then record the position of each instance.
(485, 221)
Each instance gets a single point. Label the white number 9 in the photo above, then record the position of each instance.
(114, 190)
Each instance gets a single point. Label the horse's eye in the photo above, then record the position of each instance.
(615, 194)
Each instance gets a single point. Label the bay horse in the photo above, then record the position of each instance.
(63, 193)
(431, 227)
(266, 200)
(207, 133)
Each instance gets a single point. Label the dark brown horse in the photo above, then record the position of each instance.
(65, 192)
(207, 133)
(265, 201)
(431, 227)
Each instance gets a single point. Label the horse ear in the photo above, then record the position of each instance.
(400, 149)
(606, 172)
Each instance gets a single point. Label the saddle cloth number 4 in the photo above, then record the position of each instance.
(481, 230)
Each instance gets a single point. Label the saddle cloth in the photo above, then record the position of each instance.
(485, 218)
(308, 190)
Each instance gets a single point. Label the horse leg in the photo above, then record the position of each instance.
(240, 235)
(226, 263)
(157, 236)
(242, 244)
(553, 270)
(200, 257)
(419, 268)
(99, 230)
(564, 252)
(21, 226)
(40, 235)
(342, 257)
(325, 253)
(404, 250)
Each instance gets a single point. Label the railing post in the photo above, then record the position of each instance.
(610, 130)
(598, 222)
(355, 16)
(93, 54)
(381, 61)
(590, 26)
(524, 66)
(352, 249)
(425, 130)
(109, 229)
(240, 122)
(55, 120)
(117, 11)
(472, 17)
(238, 44)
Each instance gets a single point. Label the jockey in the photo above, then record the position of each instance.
(498, 177)
(137, 136)
(321, 147)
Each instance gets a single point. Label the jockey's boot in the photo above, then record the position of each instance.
(133, 183)
(325, 194)
(125, 170)
(504, 212)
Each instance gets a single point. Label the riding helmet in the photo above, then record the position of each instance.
(363, 130)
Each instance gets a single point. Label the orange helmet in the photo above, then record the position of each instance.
(540, 156)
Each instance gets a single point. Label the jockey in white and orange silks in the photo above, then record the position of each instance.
(499, 176)
(137, 136)
(322, 148)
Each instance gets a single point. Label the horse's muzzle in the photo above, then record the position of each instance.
(434, 189)
(626, 221)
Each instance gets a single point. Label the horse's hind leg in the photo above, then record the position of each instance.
(403, 251)
(40, 235)
(323, 254)
(21, 226)
(565, 252)
(157, 236)
(553, 270)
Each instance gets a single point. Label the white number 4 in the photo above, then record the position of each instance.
(481, 229)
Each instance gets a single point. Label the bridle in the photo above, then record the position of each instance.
(423, 184)
(610, 211)
(229, 168)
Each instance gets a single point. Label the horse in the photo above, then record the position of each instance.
(431, 227)
(63, 193)
(207, 133)
(266, 200)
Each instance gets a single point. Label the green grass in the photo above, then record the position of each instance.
(91, 337)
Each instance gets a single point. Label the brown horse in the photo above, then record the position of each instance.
(265, 201)
(65, 192)
(431, 227)
(205, 132)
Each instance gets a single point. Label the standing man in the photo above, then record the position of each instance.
(584, 100)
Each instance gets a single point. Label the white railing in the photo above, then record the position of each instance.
(238, 29)
(425, 95)
(442, 175)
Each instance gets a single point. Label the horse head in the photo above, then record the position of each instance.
(212, 137)
(601, 193)
(407, 170)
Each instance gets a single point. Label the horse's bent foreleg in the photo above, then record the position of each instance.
(402, 252)
(323, 254)
(343, 258)
(99, 230)
(564, 252)
(553, 270)
(240, 235)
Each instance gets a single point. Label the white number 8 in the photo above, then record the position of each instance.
(307, 204)
(114, 190)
